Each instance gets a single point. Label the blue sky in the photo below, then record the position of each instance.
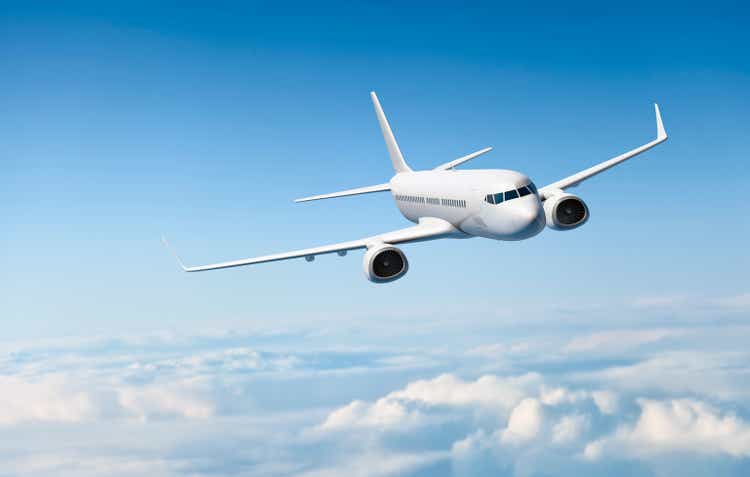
(125, 121)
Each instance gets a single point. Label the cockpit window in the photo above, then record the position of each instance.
(522, 191)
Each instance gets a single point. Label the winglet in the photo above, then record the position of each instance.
(171, 250)
(661, 134)
(399, 165)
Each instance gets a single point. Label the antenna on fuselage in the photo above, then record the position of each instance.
(397, 159)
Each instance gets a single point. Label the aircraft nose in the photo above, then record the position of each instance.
(529, 220)
(526, 215)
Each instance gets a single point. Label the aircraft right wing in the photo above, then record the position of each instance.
(428, 228)
(575, 179)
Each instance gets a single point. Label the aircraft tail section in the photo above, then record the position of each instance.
(397, 159)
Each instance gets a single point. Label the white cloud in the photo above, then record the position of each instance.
(676, 425)
(401, 408)
(382, 414)
(405, 407)
(714, 375)
(63, 398)
(618, 340)
(487, 391)
(524, 423)
(174, 400)
(48, 399)
(606, 401)
(560, 395)
(569, 428)
(215, 406)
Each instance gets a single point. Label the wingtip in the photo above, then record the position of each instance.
(171, 250)
(661, 133)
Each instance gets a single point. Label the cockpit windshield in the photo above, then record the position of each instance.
(501, 197)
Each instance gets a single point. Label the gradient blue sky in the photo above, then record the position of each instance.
(125, 120)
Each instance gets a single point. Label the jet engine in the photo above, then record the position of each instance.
(384, 263)
(565, 211)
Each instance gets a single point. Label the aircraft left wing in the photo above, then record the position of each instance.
(428, 228)
(575, 179)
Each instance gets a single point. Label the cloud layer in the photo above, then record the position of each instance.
(654, 401)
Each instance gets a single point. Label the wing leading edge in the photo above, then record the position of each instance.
(428, 228)
(575, 179)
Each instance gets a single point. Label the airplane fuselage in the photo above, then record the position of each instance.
(464, 199)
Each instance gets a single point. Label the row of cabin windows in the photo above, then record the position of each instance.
(501, 197)
(432, 201)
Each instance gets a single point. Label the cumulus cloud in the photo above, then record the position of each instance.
(222, 405)
(487, 391)
(569, 428)
(524, 423)
(682, 425)
(406, 407)
(573, 427)
(384, 413)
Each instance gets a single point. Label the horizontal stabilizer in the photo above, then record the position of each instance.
(344, 193)
(461, 160)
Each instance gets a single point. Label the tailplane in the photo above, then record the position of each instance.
(344, 193)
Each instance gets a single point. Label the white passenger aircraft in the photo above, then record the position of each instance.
(448, 203)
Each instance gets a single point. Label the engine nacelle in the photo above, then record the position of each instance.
(384, 263)
(565, 211)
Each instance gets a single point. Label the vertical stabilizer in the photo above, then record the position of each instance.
(399, 165)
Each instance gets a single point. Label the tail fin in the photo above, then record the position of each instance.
(399, 165)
